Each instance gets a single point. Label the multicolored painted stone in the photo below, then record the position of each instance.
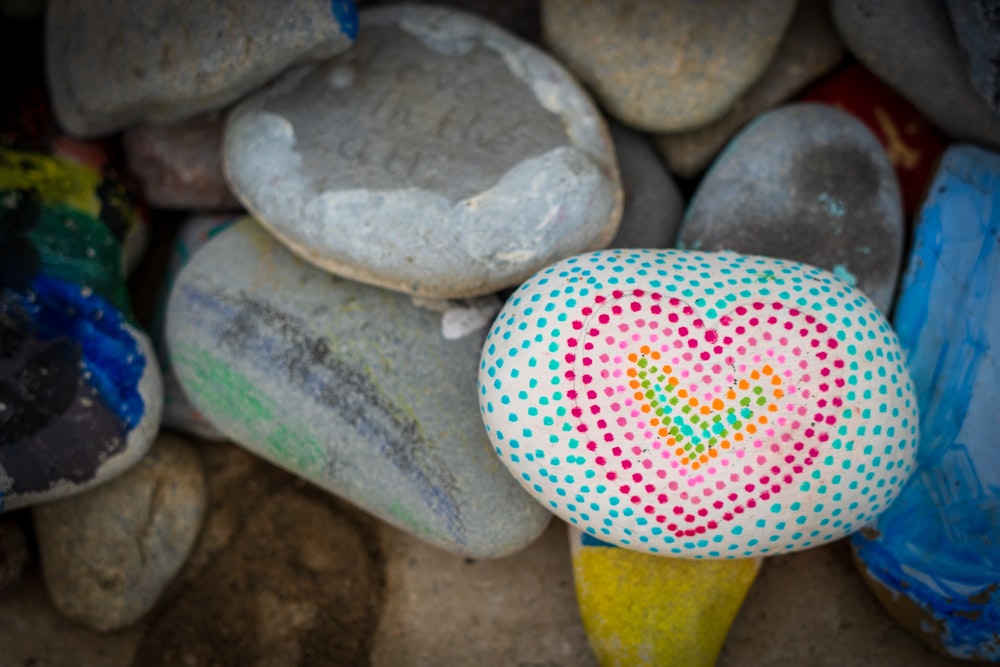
(642, 610)
(178, 413)
(111, 64)
(706, 405)
(80, 399)
(441, 157)
(913, 145)
(933, 558)
(367, 393)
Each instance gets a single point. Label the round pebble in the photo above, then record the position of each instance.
(699, 404)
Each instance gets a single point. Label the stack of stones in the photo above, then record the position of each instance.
(446, 264)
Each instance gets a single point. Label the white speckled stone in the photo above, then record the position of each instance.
(441, 156)
(704, 405)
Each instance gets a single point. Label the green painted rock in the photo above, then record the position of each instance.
(366, 393)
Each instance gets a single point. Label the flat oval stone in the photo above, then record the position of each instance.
(810, 183)
(80, 391)
(699, 404)
(109, 554)
(111, 64)
(357, 389)
(665, 66)
(933, 559)
(642, 610)
(911, 143)
(441, 156)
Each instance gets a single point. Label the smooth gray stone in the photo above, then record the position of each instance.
(108, 554)
(359, 390)
(666, 65)
(911, 46)
(112, 63)
(806, 182)
(653, 202)
(810, 48)
(441, 156)
(977, 26)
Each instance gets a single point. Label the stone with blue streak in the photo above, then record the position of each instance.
(934, 557)
(368, 394)
(80, 394)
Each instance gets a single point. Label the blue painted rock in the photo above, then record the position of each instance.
(810, 183)
(108, 554)
(80, 392)
(441, 156)
(111, 64)
(978, 33)
(653, 203)
(664, 66)
(809, 49)
(699, 404)
(934, 557)
(359, 390)
(642, 610)
(911, 46)
(178, 413)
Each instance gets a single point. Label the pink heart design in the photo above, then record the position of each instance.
(696, 425)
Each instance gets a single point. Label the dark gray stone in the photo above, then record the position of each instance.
(653, 203)
(111, 64)
(441, 156)
(911, 46)
(809, 48)
(977, 26)
(806, 182)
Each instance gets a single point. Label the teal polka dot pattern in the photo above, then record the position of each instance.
(702, 405)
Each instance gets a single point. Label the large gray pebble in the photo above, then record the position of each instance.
(367, 393)
(806, 182)
(108, 554)
(441, 156)
(113, 63)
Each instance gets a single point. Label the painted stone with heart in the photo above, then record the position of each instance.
(704, 405)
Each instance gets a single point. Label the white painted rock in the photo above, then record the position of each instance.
(699, 404)
(441, 156)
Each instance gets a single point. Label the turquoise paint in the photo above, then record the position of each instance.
(939, 543)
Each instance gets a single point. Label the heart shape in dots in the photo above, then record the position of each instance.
(696, 424)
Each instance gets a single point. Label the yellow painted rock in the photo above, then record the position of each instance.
(641, 609)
